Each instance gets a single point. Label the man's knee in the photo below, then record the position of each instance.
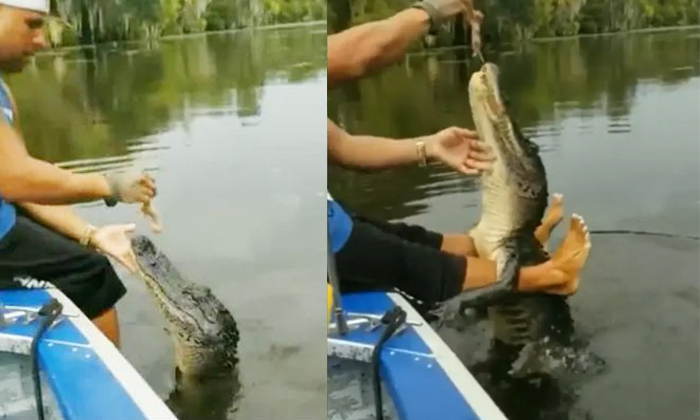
(100, 261)
(98, 268)
(99, 287)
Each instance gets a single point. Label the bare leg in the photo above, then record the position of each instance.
(560, 275)
(108, 323)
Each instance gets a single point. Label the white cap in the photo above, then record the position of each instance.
(36, 5)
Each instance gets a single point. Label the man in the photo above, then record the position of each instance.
(42, 241)
(429, 266)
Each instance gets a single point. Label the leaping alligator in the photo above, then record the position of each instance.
(511, 230)
(204, 333)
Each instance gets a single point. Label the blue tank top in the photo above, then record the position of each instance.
(339, 225)
(7, 210)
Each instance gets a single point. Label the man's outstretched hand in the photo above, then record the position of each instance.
(113, 240)
(461, 150)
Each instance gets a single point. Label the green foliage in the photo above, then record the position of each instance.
(222, 14)
(515, 20)
(98, 21)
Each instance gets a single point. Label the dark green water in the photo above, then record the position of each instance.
(617, 119)
(231, 125)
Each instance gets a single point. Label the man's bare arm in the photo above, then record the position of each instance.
(369, 152)
(26, 179)
(369, 47)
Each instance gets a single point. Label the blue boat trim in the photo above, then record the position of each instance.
(88, 375)
(422, 375)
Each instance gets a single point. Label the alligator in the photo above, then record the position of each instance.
(511, 230)
(210, 398)
(204, 332)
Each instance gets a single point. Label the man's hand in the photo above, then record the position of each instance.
(461, 150)
(132, 187)
(441, 11)
(113, 240)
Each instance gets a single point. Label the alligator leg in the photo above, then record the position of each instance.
(507, 276)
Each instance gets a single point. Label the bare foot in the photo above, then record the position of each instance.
(571, 257)
(551, 219)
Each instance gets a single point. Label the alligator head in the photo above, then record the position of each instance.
(491, 114)
(204, 331)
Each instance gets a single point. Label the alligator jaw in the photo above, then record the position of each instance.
(494, 125)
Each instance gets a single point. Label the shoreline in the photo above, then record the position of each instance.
(611, 33)
(507, 46)
(250, 28)
(291, 25)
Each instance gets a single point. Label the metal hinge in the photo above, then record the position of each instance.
(21, 316)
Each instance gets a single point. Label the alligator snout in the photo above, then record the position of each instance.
(141, 244)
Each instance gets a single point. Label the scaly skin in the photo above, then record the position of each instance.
(514, 200)
(205, 333)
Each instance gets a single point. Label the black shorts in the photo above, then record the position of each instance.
(384, 256)
(33, 256)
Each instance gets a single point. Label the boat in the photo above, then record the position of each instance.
(421, 378)
(55, 364)
(386, 362)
